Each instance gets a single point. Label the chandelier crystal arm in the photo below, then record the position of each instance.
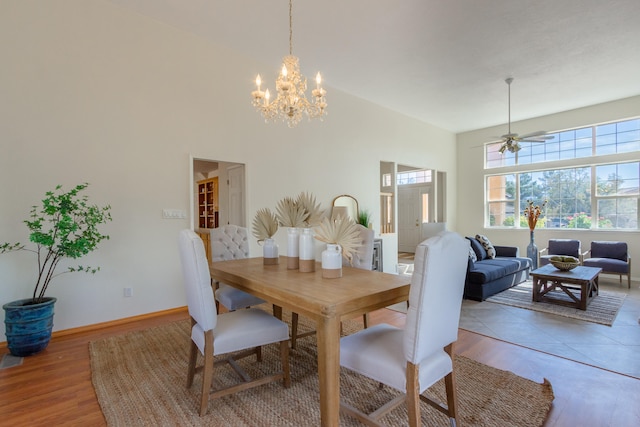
(291, 102)
(290, 27)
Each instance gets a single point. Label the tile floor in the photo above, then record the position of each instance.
(615, 348)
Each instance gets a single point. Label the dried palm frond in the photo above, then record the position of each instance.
(314, 213)
(290, 213)
(340, 231)
(265, 224)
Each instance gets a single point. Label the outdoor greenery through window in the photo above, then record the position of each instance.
(589, 196)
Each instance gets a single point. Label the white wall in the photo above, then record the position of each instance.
(470, 194)
(92, 92)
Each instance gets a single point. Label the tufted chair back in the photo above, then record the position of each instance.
(229, 242)
(363, 258)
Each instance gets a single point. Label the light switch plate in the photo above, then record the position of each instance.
(173, 214)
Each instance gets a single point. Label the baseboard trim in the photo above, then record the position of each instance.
(102, 325)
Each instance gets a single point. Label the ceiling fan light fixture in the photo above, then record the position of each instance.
(511, 141)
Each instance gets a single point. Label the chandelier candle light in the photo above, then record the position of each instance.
(291, 101)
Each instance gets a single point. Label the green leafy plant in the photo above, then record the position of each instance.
(65, 226)
(364, 217)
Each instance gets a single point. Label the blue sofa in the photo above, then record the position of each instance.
(488, 276)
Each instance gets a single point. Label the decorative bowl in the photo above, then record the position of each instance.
(564, 263)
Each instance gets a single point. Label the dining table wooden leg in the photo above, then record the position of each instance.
(328, 339)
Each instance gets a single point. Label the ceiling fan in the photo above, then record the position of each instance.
(511, 141)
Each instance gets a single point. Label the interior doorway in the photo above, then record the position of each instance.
(413, 211)
(227, 203)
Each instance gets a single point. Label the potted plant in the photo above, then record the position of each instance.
(364, 218)
(65, 226)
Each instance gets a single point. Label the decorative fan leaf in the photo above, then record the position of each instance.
(340, 231)
(314, 213)
(265, 224)
(290, 213)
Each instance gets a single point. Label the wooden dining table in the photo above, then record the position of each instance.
(326, 301)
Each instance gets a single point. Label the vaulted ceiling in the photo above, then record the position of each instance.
(441, 61)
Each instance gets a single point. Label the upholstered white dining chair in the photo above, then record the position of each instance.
(414, 358)
(213, 334)
(231, 242)
(363, 259)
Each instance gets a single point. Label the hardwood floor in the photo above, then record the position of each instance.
(54, 387)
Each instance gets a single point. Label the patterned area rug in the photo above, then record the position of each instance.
(140, 377)
(602, 309)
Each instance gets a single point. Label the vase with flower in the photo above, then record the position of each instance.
(532, 213)
(297, 214)
(265, 225)
(342, 238)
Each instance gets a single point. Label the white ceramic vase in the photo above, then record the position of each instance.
(332, 262)
(306, 252)
(293, 244)
(270, 252)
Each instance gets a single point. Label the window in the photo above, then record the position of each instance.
(590, 196)
(501, 192)
(609, 138)
(621, 137)
(413, 177)
(617, 191)
(566, 192)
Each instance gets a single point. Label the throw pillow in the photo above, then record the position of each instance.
(472, 254)
(486, 244)
(481, 253)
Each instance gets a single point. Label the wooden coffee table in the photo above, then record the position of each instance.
(579, 284)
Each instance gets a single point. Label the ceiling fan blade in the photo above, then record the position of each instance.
(538, 133)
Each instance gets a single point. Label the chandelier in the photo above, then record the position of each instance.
(291, 102)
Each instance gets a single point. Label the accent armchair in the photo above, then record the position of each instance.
(567, 247)
(611, 257)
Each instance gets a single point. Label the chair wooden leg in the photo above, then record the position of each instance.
(365, 320)
(193, 357)
(413, 394)
(207, 375)
(450, 387)
(294, 329)
(191, 370)
(284, 357)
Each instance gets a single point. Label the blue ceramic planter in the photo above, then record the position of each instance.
(28, 326)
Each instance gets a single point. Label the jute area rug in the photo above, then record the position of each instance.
(602, 309)
(140, 377)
